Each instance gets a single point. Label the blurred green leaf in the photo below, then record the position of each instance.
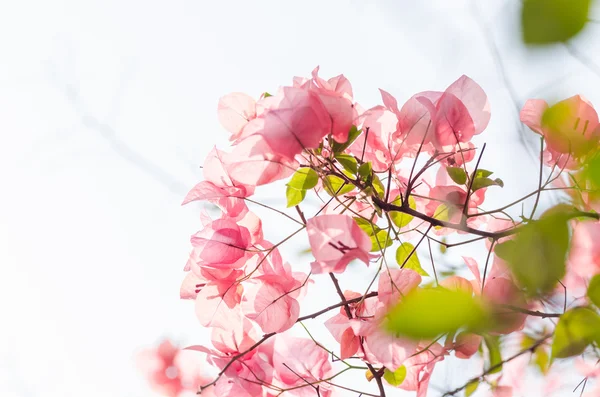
(576, 329)
(336, 186)
(553, 21)
(303, 179)
(400, 219)
(593, 291)
(457, 174)
(365, 170)
(348, 162)
(395, 378)
(352, 135)
(425, 313)
(379, 188)
(294, 196)
(492, 343)
(471, 387)
(537, 254)
(412, 262)
(381, 240)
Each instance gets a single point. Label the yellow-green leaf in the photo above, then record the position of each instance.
(303, 179)
(348, 162)
(395, 378)
(471, 388)
(576, 329)
(365, 170)
(593, 291)
(400, 219)
(339, 147)
(380, 240)
(425, 313)
(457, 174)
(494, 353)
(553, 21)
(409, 262)
(537, 254)
(294, 196)
(336, 186)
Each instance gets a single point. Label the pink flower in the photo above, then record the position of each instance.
(395, 283)
(255, 162)
(235, 110)
(168, 371)
(298, 362)
(447, 118)
(221, 244)
(466, 344)
(420, 367)
(570, 127)
(335, 240)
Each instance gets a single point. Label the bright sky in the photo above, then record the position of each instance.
(107, 109)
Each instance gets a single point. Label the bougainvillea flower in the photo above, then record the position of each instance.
(169, 371)
(253, 162)
(395, 283)
(221, 244)
(335, 240)
(298, 362)
(569, 127)
(235, 110)
(420, 367)
(445, 118)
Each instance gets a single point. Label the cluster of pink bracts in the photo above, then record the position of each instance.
(249, 296)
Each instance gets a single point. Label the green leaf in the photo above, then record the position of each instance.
(303, 179)
(481, 173)
(444, 213)
(542, 360)
(576, 329)
(553, 21)
(294, 196)
(365, 170)
(348, 162)
(412, 262)
(400, 219)
(494, 353)
(471, 388)
(380, 240)
(395, 378)
(266, 95)
(593, 291)
(480, 183)
(336, 186)
(338, 147)
(537, 254)
(367, 226)
(425, 313)
(457, 174)
(379, 188)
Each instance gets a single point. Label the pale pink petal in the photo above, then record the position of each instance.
(474, 99)
(270, 307)
(389, 350)
(335, 240)
(532, 112)
(235, 110)
(395, 283)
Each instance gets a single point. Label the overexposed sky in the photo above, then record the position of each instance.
(107, 109)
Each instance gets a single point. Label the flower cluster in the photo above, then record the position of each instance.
(391, 175)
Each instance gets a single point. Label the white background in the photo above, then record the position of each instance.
(107, 109)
